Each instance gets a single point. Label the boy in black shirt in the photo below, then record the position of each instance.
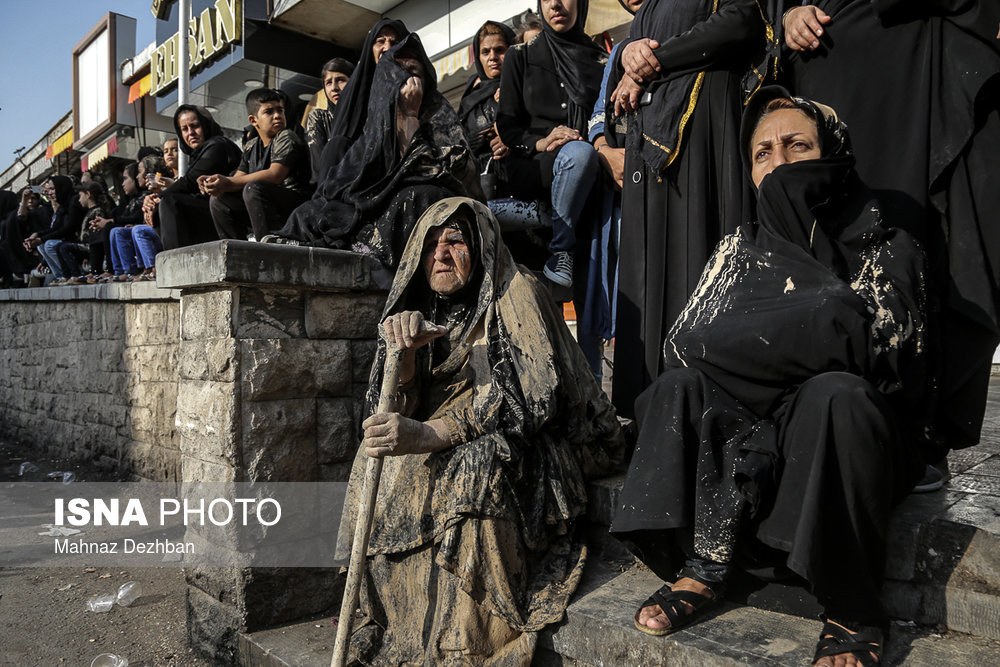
(272, 179)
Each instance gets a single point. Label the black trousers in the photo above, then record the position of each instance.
(185, 219)
(260, 207)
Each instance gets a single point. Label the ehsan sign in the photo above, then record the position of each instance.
(208, 34)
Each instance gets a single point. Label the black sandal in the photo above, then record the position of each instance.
(681, 608)
(860, 644)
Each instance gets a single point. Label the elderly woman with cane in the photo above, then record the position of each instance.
(475, 542)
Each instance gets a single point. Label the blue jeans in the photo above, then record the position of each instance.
(49, 252)
(573, 176)
(133, 247)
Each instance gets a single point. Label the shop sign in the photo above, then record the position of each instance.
(209, 33)
(161, 8)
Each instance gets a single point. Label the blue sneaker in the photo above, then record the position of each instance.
(559, 268)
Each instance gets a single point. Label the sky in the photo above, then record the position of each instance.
(36, 49)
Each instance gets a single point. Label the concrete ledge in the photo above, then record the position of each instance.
(243, 262)
(140, 291)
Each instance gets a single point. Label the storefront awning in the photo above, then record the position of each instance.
(59, 145)
(140, 88)
(99, 154)
(453, 62)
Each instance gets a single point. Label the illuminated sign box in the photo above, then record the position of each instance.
(97, 97)
(208, 33)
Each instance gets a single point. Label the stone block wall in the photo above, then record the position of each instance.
(276, 344)
(89, 373)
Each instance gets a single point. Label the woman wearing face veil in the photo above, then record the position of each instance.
(682, 186)
(185, 217)
(782, 431)
(411, 154)
(352, 108)
(475, 544)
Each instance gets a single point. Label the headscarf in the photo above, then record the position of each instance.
(474, 94)
(352, 107)
(9, 201)
(579, 65)
(373, 196)
(821, 282)
(211, 129)
(64, 190)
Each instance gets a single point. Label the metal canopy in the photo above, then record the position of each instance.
(340, 22)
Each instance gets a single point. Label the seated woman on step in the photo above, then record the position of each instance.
(476, 543)
(783, 428)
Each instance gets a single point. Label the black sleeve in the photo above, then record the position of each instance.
(68, 224)
(513, 119)
(736, 23)
(288, 149)
(217, 158)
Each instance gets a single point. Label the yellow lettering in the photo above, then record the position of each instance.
(206, 42)
(228, 20)
(156, 71)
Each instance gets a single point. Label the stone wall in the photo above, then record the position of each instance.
(89, 373)
(276, 344)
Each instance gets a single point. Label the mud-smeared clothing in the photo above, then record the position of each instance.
(479, 542)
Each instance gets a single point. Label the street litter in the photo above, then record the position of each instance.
(109, 660)
(27, 466)
(66, 477)
(101, 603)
(65, 588)
(129, 592)
(59, 531)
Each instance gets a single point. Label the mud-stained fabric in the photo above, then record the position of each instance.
(494, 516)
(793, 392)
(372, 199)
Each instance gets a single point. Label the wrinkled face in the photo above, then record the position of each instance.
(446, 260)
(334, 84)
(128, 185)
(785, 135)
(191, 130)
(492, 49)
(170, 153)
(384, 40)
(560, 14)
(269, 119)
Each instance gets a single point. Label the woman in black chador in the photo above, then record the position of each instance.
(784, 423)
(411, 154)
(478, 109)
(682, 187)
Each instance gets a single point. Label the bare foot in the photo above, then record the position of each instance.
(842, 659)
(654, 618)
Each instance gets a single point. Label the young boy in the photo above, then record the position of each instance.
(272, 179)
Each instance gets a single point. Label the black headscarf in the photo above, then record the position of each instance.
(352, 107)
(371, 199)
(579, 64)
(208, 126)
(64, 190)
(474, 94)
(9, 201)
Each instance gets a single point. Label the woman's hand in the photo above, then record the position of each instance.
(803, 27)
(499, 148)
(613, 161)
(391, 434)
(406, 331)
(98, 223)
(626, 96)
(639, 61)
(32, 242)
(559, 135)
(410, 97)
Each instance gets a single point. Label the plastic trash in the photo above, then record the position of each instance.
(109, 660)
(58, 531)
(68, 477)
(55, 475)
(129, 592)
(27, 466)
(101, 603)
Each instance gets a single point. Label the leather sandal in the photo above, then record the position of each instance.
(836, 640)
(682, 608)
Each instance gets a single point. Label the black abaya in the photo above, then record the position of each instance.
(672, 220)
(926, 126)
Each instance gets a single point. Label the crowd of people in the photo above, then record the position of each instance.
(804, 315)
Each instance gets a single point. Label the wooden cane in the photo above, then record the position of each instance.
(366, 511)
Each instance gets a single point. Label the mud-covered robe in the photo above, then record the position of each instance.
(528, 424)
